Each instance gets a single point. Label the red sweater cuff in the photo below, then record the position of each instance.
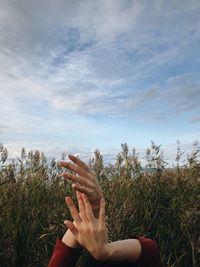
(150, 253)
(64, 255)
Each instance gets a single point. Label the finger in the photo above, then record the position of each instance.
(82, 210)
(73, 210)
(78, 179)
(102, 210)
(71, 227)
(88, 208)
(79, 162)
(75, 168)
(83, 189)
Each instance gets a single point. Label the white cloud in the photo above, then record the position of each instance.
(112, 58)
(130, 44)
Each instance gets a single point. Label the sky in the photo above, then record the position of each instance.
(76, 75)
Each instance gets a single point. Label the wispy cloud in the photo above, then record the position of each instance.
(110, 59)
(195, 119)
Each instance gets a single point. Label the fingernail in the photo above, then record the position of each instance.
(68, 199)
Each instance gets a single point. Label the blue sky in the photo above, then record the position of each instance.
(80, 75)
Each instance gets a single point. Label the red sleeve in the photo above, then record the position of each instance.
(150, 253)
(64, 256)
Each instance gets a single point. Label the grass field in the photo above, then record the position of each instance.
(154, 200)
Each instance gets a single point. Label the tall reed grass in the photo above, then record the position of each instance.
(154, 200)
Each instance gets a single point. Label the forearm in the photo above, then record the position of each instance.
(123, 250)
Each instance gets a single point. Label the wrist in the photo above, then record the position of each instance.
(69, 240)
(103, 253)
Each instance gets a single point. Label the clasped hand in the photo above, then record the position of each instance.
(84, 181)
(89, 231)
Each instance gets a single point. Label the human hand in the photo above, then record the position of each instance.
(84, 181)
(89, 231)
